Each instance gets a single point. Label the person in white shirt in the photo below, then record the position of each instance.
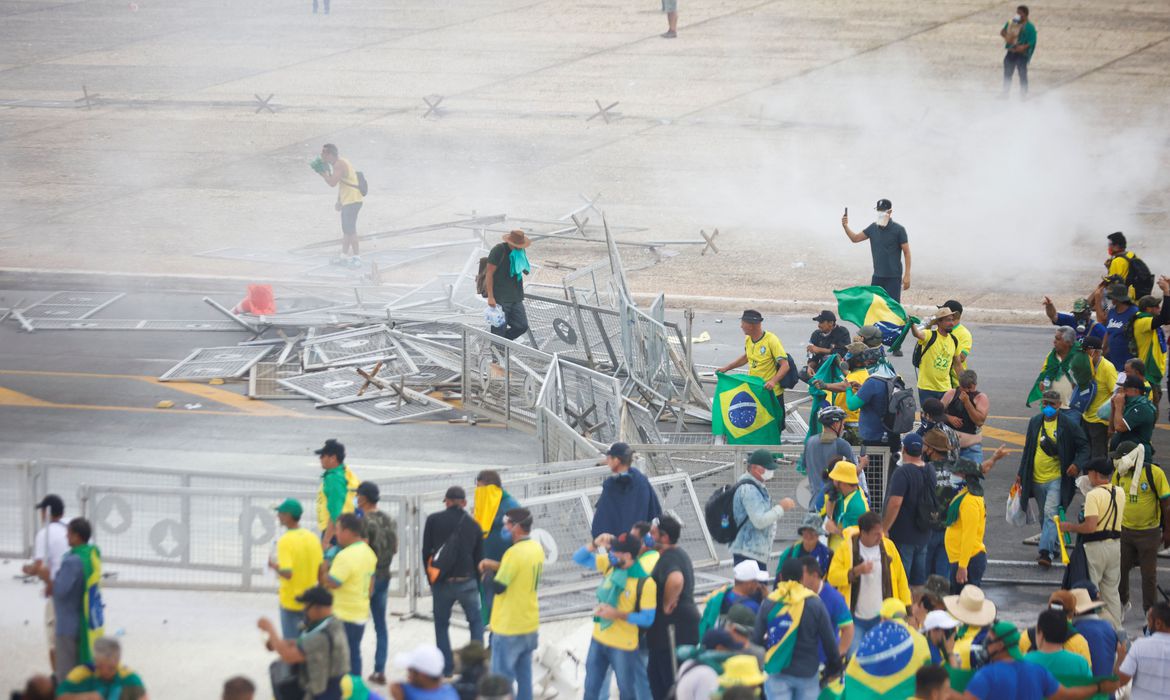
(49, 548)
(1147, 663)
(698, 673)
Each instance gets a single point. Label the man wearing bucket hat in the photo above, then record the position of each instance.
(810, 545)
(975, 614)
(298, 561)
(937, 354)
(764, 355)
(752, 506)
(848, 502)
(741, 670)
(1115, 320)
(966, 520)
(507, 263)
(1097, 631)
(1145, 522)
(1074, 642)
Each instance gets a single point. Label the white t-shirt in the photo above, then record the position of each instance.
(869, 592)
(51, 545)
(696, 683)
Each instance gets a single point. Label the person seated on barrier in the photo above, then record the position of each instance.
(104, 677)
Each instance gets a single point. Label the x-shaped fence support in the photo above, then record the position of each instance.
(87, 98)
(433, 107)
(263, 102)
(603, 112)
(709, 242)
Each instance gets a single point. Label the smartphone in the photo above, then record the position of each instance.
(846, 211)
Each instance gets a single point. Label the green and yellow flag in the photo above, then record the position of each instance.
(744, 411)
(92, 609)
(867, 306)
(783, 621)
(887, 660)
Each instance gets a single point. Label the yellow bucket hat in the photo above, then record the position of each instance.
(845, 472)
(741, 670)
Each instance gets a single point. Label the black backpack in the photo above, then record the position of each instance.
(363, 186)
(719, 512)
(792, 376)
(1139, 277)
(926, 508)
(900, 406)
(920, 350)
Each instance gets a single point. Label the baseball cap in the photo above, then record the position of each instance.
(333, 448)
(1051, 396)
(455, 493)
(912, 444)
(1132, 381)
(825, 315)
(719, 637)
(939, 620)
(752, 316)
(763, 458)
(871, 335)
(291, 506)
(627, 543)
(369, 491)
(747, 571)
(953, 305)
(54, 503)
(1118, 292)
(1080, 305)
(1009, 634)
(317, 595)
(1123, 449)
(1091, 342)
(620, 450)
(884, 205)
(425, 659)
(742, 617)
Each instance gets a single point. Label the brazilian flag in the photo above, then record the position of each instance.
(744, 411)
(865, 306)
(887, 660)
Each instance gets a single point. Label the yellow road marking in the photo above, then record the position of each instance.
(8, 397)
(1007, 436)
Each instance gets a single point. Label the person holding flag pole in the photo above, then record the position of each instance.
(765, 357)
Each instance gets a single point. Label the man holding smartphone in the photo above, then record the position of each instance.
(888, 244)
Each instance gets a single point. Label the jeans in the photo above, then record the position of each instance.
(1015, 62)
(860, 627)
(290, 623)
(1140, 548)
(512, 659)
(936, 554)
(1047, 497)
(628, 668)
(972, 452)
(924, 394)
(445, 594)
(353, 634)
(892, 285)
(975, 570)
(785, 687)
(378, 613)
(515, 320)
(914, 561)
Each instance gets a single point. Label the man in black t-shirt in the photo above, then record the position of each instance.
(674, 575)
(827, 339)
(507, 264)
(887, 244)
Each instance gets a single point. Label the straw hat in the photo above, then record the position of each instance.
(741, 670)
(971, 607)
(1085, 602)
(517, 238)
(845, 472)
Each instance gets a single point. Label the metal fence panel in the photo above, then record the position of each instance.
(17, 514)
(216, 363)
(501, 378)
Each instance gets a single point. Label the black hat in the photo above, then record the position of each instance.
(884, 205)
(825, 315)
(627, 543)
(752, 316)
(455, 493)
(54, 503)
(317, 595)
(333, 448)
(1117, 238)
(620, 450)
(1101, 465)
(1118, 292)
(369, 491)
(1132, 381)
(1123, 448)
(952, 305)
(1091, 342)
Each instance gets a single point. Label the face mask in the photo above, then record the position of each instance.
(614, 561)
(883, 218)
(647, 541)
(506, 535)
(1049, 412)
(1016, 19)
(768, 474)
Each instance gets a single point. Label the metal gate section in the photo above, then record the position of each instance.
(71, 306)
(501, 378)
(385, 408)
(360, 346)
(216, 363)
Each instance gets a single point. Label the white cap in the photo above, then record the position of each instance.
(939, 620)
(763, 576)
(748, 570)
(426, 659)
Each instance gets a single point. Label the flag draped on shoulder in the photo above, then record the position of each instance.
(865, 306)
(744, 411)
(783, 621)
(887, 660)
(1074, 374)
(92, 609)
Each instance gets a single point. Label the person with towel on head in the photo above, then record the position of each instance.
(507, 263)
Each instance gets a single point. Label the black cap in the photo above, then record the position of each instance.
(620, 450)
(825, 315)
(884, 205)
(333, 448)
(54, 503)
(1132, 381)
(952, 305)
(752, 316)
(627, 543)
(1123, 448)
(455, 493)
(1091, 342)
(1117, 238)
(369, 491)
(317, 595)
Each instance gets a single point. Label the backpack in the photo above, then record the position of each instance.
(481, 278)
(1128, 333)
(719, 512)
(792, 376)
(920, 350)
(900, 406)
(1139, 277)
(926, 507)
(363, 186)
(383, 538)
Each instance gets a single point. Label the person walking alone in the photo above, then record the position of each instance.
(341, 174)
(1019, 35)
(507, 263)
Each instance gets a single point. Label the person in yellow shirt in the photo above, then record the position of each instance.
(298, 562)
(351, 578)
(1145, 522)
(963, 340)
(626, 602)
(937, 353)
(1066, 602)
(764, 355)
(858, 373)
(966, 521)
(516, 611)
(1104, 379)
(1101, 534)
(1150, 343)
(342, 175)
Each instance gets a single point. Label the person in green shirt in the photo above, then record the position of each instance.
(1052, 631)
(106, 677)
(849, 503)
(1019, 37)
(1133, 415)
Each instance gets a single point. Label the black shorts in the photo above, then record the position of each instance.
(349, 214)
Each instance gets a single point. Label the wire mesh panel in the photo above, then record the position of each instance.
(593, 284)
(71, 305)
(558, 327)
(502, 378)
(429, 350)
(264, 380)
(644, 341)
(558, 441)
(590, 402)
(216, 363)
(386, 409)
(16, 509)
(328, 385)
(358, 346)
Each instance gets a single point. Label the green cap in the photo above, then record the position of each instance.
(291, 506)
(763, 458)
(1080, 305)
(1009, 634)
